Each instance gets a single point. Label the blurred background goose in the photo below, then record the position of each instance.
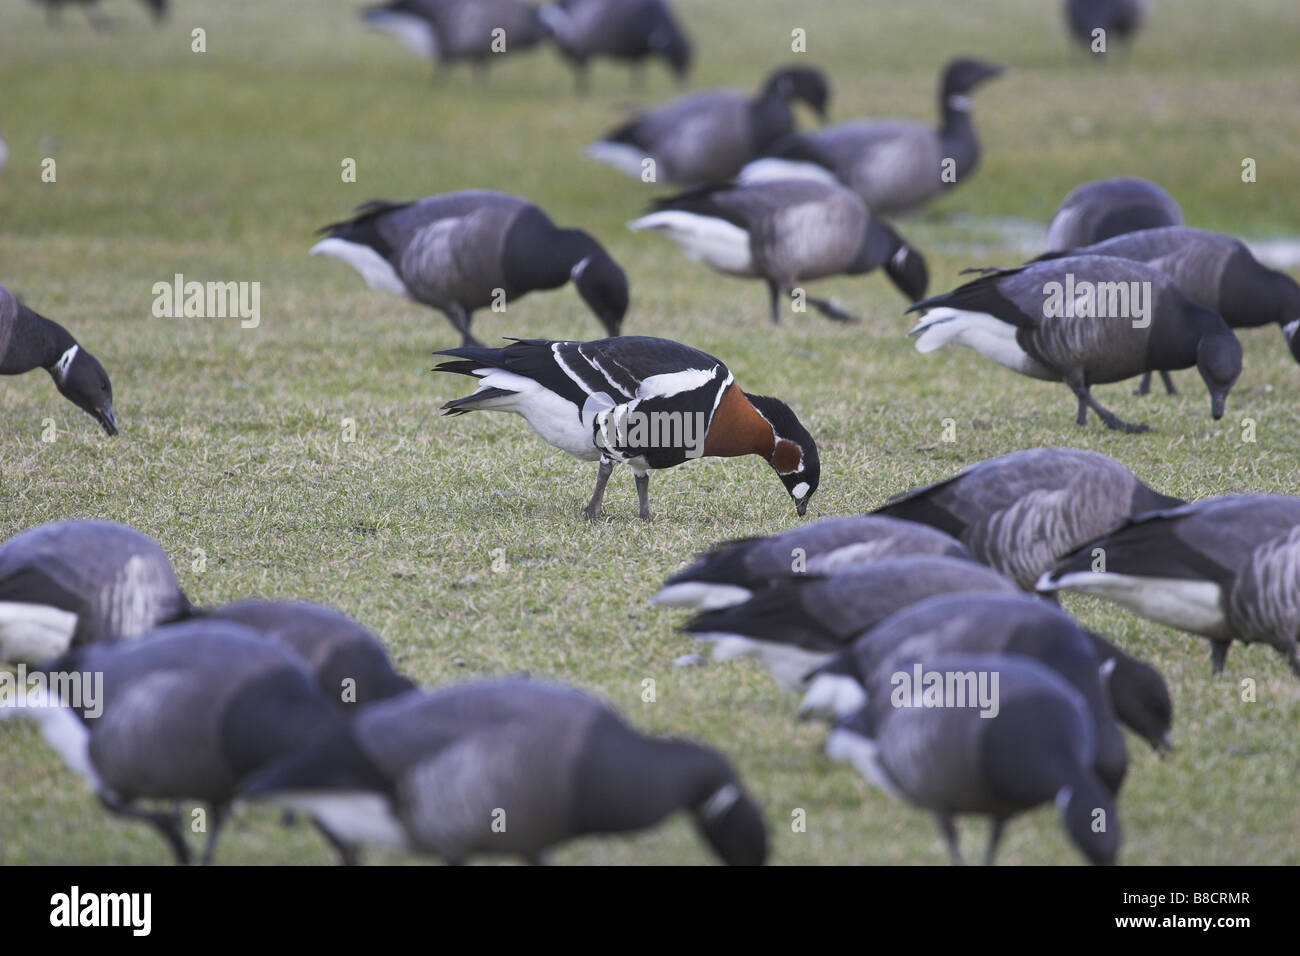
(447, 31)
(1095, 211)
(628, 30)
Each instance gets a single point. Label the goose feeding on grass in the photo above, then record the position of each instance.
(449, 31)
(1098, 24)
(1099, 210)
(632, 31)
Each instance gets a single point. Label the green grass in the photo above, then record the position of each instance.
(220, 165)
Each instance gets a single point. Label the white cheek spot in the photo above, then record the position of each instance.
(800, 490)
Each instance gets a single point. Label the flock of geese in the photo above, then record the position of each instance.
(298, 705)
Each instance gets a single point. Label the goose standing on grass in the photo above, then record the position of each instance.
(446, 31)
(507, 768)
(1104, 208)
(787, 231)
(894, 165)
(797, 625)
(950, 761)
(1085, 321)
(1225, 568)
(1119, 20)
(29, 341)
(184, 714)
(81, 582)
(464, 251)
(628, 30)
(1022, 513)
(54, 8)
(707, 137)
(733, 571)
(651, 403)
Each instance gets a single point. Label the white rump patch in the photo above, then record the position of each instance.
(61, 728)
(1194, 606)
(771, 169)
(832, 696)
(701, 595)
(359, 816)
(715, 242)
(373, 267)
(622, 156)
(553, 418)
(787, 664)
(845, 746)
(415, 33)
(987, 335)
(34, 633)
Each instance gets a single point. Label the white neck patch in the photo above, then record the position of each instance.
(576, 272)
(1291, 328)
(959, 103)
(64, 363)
(723, 799)
(900, 256)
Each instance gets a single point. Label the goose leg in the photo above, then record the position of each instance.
(774, 301)
(1169, 383)
(216, 817)
(1293, 662)
(581, 81)
(832, 311)
(949, 831)
(598, 496)
(1144, 386)
(995, 837)
(1218, 656)
(643, 495)
(168, 824)
(636, 78)
(347, 853)
(1112, 420)
(460, 320)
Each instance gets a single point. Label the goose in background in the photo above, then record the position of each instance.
(439, 773)
(669, 403)
(952, 761)
(1225, 568)
(628, 30)
(1118, 20)
(1095, 211)
(796, 625)
(4, 153)
(707, 137)
(29, 341)
(1022, 513)
(70, 583)
(462, 251)
(1077, 320)
(733, 571)
(447, 31)
(786, 232)
(185, 713)
(54, 9)
(894, 165)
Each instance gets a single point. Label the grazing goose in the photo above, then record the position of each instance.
(628, 30)
(463, 251)
(953, 760)
(707, 137)
(1225, 568)
(1117, 19)
(894, 165)
(82, 582)
(1022, 513)
(446, 31)
(349, 663)
(29, 341)
(1084, 321)
(786, 231)
(1098, 210)
(511, 767)
(669, 403)
(797, 625)
(54, 8)
(184, 714)
(1215, 271)
(994, 623)
(733, 571)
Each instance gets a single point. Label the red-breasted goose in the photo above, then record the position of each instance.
(1099, 210)
(651, 403)
(448, 31)
(628, 30)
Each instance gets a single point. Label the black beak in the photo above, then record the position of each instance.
(1164, 746)
(801, 505)
(1217, 404)
(107, 419)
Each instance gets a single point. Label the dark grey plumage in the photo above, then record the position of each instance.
(448, 31)
(464, 251)
(787, 232)
(951, 760)
(54, 8)
(1095, 211)
(1022, 513)
(1225, 568)
(81, 582)
(1085, 320)
(29, 341)
(731, 572)
(796, 625)
(507, 768)
(628, 30)
(1119, 21)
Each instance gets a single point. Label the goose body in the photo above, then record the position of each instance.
(460, 252)
(628, 30)
(650, 403)
(506, 768)
(53, 9)
(1085, 320)
(448, 31)
(786, 232)
(1118, 19)
(1225, 568)
(732, 572)
(1022, 513)
(1099, 210)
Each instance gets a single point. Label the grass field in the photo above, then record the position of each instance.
(220, 165)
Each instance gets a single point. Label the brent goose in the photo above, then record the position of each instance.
(787, 231)
(53, 8)
(446, 31)
(463, 251)
(1224, 568)
(184, 714)
(894, 165)
(349, 663)
(952, 760)
(1117, 19)
(1023, 512)
(796, 625)
(651, 403)
(628, 30)
(1098, 210)
(29, 341)
(707, 137)
(81, 582)
(1084, 321)
(731, 572)
(510, 767)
